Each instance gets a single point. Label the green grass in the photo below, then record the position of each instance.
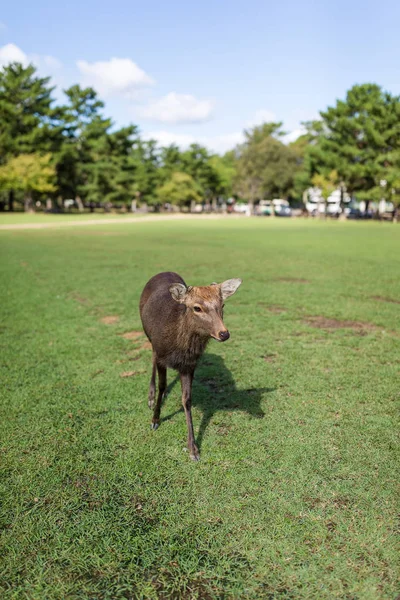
(16, 218)
(296, 417)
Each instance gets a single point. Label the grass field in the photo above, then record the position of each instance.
(17, 218)
(296, 416)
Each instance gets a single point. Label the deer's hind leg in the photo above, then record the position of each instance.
(152, 388)
(162, 385)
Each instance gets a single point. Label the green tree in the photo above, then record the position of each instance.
(29, 173)
(265, 165)
(28, 122)
(147, 177)
(196, 163)
(180, 190)
(225, 169)
(82, 168)
(327, 184)
(170, 162)
(359, 138)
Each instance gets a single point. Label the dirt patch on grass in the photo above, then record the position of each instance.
(269, 357)
(78, 298)
(110, 320)
(292, 280)
(338, 502)
(129, 373)
(276, 309)
(273, 308)
(330, 324)
(385, 299)
(132, 335)
(97, 373)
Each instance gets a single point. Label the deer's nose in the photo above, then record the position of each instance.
(224, 335)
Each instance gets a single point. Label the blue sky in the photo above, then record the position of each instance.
(204, 71)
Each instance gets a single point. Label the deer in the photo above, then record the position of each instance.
(179, 321)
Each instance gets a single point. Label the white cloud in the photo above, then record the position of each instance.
(46, 61)
(216, 143)
(117, 76)
(223, 143)
(178, 108)
(293, 135)
(260, 117)
(166, 138)
(11, 53)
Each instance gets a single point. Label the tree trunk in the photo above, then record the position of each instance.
(28, 203)
(366, 206)
(396, 212)
(342, 216)
(79, 203)
(11, 200)
(49, 204)
(133, 206)
(214, 205)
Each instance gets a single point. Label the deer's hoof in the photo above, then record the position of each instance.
(155, 426)
(194, 454)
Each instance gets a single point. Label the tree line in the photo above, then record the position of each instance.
(53, 152)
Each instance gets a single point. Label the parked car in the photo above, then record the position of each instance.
(281, 208)
(241, 208)
(352, 212)
(264, 208)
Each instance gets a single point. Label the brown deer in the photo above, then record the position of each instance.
(179, 320)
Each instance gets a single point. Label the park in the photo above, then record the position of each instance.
(296, 416)
(200, 277)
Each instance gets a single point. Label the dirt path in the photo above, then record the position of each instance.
(113, 221)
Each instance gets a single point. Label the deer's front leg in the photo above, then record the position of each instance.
(186, 382)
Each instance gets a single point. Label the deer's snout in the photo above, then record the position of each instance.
(224, 335)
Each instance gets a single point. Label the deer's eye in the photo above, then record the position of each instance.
(197, 309)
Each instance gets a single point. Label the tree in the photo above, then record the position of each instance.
(147, 171)
(359, 137)
(265, 165)
(170, 162)
(225, 169)
(28, 123)
(29, 173)
(196, 163)
(81, 168)
(327, 185)
(391, 179)
(180, 190)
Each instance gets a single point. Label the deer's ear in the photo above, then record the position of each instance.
(229, 287)
(178, 291)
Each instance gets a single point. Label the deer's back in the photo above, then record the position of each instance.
(158, 310)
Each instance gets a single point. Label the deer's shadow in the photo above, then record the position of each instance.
(214, 390)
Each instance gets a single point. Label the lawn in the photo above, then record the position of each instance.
(296, 416)
(17, 218)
